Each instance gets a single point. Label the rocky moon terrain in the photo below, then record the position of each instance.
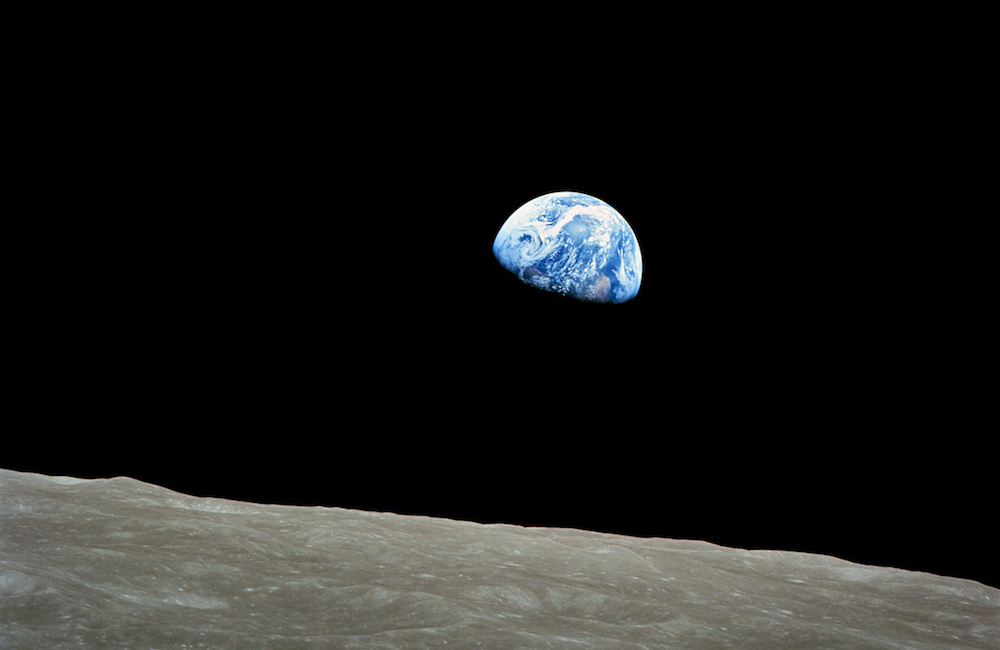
(118, 563)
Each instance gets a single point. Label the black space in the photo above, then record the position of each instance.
(281, 289)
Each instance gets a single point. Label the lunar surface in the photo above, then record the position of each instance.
(117, 563)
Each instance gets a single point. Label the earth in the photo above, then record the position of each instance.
(573, 244)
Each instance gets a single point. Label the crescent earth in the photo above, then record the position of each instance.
(573, 244)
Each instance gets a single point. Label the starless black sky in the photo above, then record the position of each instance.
(281, 307)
